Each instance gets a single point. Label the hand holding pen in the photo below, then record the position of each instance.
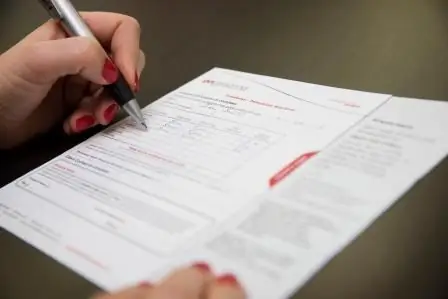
(63, 12)
(49, 80)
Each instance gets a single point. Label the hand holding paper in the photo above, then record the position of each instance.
(193, 282)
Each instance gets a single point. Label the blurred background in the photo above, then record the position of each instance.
(392, 46)
(389, 46)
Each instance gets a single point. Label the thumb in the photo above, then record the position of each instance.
(46, 61)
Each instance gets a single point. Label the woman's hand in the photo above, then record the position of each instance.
(48, 78)
(195, 282)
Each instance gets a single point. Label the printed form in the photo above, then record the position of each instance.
(213, 179)
(297, 227)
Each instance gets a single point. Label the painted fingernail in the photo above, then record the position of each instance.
(145, 284)
(110, 112)
(227, 279)
(110, 72)
(84, 122)
(202, 267)
(136, 83)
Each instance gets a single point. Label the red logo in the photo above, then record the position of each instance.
(289, 168)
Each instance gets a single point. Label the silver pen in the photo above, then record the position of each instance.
(73, 24)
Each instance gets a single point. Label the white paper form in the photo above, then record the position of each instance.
(121, 205)
(317, 210)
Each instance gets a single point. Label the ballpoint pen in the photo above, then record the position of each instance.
(73, 24)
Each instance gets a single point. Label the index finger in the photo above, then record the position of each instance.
(118, 33)
(121, 34)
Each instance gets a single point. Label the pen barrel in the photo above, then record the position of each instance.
(68, 16)
(120, 91)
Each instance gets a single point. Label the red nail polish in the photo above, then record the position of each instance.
(145, 284)
(84, 122)
(110, 72)
(136, 83)
(110, 112)
(202, 266)
(228, 279)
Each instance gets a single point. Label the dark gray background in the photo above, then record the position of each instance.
(389, 46)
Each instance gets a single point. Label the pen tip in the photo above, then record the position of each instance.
(144, 126)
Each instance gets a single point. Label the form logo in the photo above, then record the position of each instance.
(225, 85)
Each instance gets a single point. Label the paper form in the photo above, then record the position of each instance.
(123, 205)
(316, 211)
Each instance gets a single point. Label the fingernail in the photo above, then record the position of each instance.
(84, 122)
(136, 83)
(202, 267)
(227, 279)
(145, 284)
(110, 72)
(110, 112)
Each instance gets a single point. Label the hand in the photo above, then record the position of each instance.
(48, 78)
(195, 282)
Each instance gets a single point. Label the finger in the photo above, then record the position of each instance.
(118, 32)
(45, 62)
(121, 34)
(106, 109)
(226, 287)
(82, 119)
(187, 283)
